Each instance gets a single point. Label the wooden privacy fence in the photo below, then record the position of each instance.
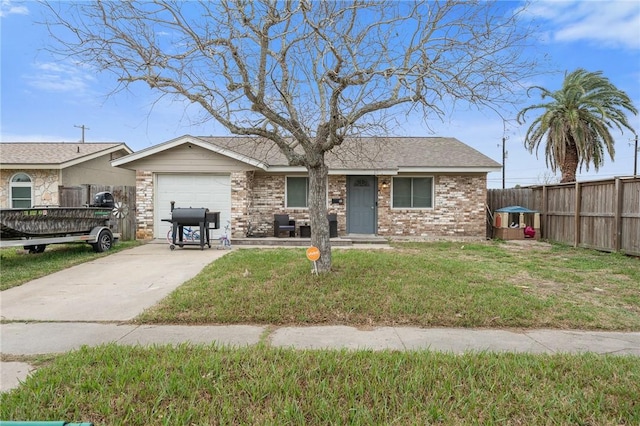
(75, 196)
(603, 215)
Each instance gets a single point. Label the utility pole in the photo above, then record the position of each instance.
(83, 129)
(635, 158)
(504, 158)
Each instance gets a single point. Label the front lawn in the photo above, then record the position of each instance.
(208, 385)
(415, 284)
(437, 284)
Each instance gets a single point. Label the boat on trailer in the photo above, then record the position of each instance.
(51, 222)
(36, 227)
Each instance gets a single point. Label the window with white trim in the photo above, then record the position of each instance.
(413, 192)
(21, 189)
(297, 191)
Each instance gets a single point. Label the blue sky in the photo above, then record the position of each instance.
(43, 100)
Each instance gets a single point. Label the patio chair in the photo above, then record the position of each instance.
(282, 223)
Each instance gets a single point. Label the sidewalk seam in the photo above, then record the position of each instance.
(130, 332)
(395, 330)
(550, 349)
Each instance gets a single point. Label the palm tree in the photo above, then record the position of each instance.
(576, 122)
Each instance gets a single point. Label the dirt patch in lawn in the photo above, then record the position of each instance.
(527, 245)
(544, 288)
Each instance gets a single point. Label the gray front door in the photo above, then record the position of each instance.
(361, 204)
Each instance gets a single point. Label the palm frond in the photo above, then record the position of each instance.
(578, 119)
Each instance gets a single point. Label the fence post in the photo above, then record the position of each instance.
(544, 225)
(576, 225)
(617, 221)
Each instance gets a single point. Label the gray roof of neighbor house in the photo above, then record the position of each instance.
(54, 155)
(377, 154)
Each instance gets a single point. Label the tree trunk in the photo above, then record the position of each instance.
(569, 165)
(318, 215)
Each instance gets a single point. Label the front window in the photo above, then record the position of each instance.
(21, 188)
(297, 191)
(413, 192)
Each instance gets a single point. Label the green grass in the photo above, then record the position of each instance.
(17, 266)
(438, 284)
(417, 284)
(185, 385)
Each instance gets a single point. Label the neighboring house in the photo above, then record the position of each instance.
(31, 173)
(406, 186)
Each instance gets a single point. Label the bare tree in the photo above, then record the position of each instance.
(548, 178)
(304, 74)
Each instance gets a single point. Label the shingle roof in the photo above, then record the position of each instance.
(52, 153)
(357, 154)
(371, 153)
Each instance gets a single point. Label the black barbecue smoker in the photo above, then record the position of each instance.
(200, 217)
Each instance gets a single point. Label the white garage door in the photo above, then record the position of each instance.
(192, 190)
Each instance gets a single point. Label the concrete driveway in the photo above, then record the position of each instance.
(112, 288)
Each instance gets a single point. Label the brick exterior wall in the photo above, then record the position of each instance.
(459, 206)
(144, 205)
(241, 184)
(44, 183)
(458, 210)
(268, 198)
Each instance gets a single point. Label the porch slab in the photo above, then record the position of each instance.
(306, 242)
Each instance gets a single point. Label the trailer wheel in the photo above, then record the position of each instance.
(39, 248)
(104, 243)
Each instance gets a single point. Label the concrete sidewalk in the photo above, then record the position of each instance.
(20, 338)
(90, 304)
(53, 337)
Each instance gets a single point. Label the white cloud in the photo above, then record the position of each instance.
(60, 78)
(7, 7)
(612, 24)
